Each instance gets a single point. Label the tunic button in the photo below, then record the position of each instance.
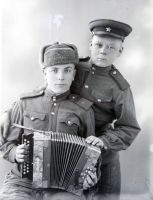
(32, 118)
(73, 97)
(69, 122)
(93, 68)
(54, 98)
(93, 72)
(114, 72)
(52, 113)
(54, 104)
(99, 100)
(105, 147)
(86, 86)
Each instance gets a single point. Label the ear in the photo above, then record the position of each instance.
(120, 51)
(90, 44)
(74, 72)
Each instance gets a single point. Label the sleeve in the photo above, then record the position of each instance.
(14, 134)
(89, 121)
(125, 127)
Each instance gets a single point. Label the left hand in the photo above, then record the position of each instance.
(90, 179)
(95, 141)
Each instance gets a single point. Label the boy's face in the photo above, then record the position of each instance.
(59, 77)
(104, 50)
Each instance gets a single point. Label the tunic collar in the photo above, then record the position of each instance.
(98, 69)
(54, 97)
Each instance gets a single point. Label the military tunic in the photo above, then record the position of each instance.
(42, 110)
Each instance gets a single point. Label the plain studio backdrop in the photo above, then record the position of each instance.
(28, 25)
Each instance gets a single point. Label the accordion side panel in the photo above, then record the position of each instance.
(46, 163)
(38, 164)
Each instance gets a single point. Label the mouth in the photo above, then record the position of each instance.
(60, 85)
(101, 59)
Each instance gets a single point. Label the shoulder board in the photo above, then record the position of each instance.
(84, 59)
(83, 103)
(119, 79)
(34, 93)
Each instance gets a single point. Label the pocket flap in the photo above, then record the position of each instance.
(34, 115)
(69, 120)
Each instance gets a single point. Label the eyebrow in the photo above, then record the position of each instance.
(69, 67)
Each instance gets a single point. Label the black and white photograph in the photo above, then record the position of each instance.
(76, 82)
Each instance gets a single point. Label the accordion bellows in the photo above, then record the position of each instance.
(56, 160)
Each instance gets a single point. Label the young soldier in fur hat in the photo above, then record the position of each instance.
(50, 109)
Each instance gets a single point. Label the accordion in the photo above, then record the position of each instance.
(56, 160)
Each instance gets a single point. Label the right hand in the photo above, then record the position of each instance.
(4, 126)
(21, 154)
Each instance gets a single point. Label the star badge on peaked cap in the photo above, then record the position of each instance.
(108, 29)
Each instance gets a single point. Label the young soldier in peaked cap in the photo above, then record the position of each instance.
(99, 81)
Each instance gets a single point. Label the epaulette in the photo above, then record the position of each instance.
(83, 103)
(84, 63)
(119, 79)
(84, 59)
(34, 93)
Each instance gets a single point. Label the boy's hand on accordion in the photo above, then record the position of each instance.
(95, 141)
(21, 153)
(90, 179)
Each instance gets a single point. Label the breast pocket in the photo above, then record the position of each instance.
(35, 120)
(69, 124)
(102, 96)
(103, 101)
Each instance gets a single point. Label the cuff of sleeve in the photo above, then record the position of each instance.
(106, 143)
(12, 154)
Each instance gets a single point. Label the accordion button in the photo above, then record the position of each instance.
(99, 100)
(86, 86)
(52, 113)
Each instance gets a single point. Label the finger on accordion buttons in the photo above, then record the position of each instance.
(89, 139)
(93, 176)
(88, 182)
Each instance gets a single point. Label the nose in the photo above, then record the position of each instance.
(103, 49)
(61, 76)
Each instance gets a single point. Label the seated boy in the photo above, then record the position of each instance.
(50, 109)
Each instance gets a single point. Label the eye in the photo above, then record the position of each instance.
(98, 45)
(67, 70)
(55, 70)
(111, 47)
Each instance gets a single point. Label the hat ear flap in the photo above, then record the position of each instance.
(42, 51)
(74, 48)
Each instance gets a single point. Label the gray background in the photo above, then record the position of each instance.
(28, 25)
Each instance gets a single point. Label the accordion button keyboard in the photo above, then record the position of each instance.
(27, 165)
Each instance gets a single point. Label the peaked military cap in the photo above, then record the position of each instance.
(59, 53)
(110, 27)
